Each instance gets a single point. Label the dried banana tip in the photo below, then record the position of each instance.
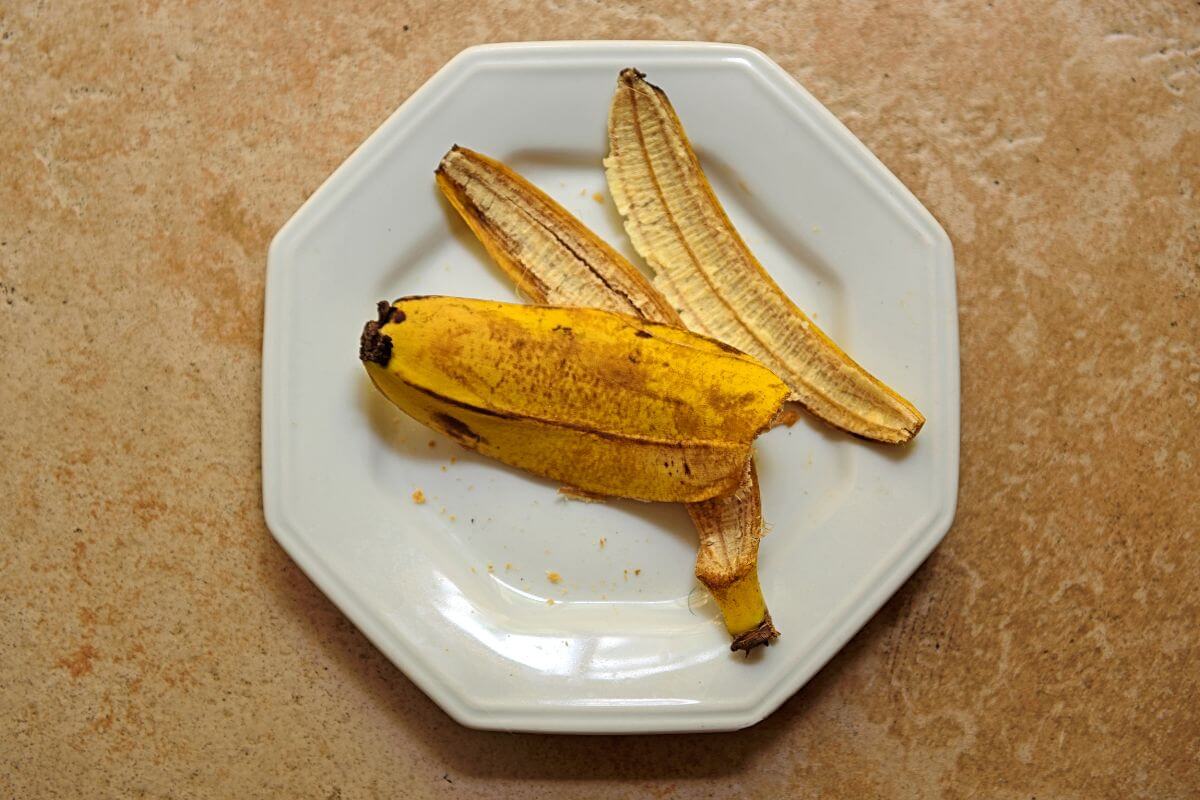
(455, 150)
(631, 74)
(764, 634)
(375, 345)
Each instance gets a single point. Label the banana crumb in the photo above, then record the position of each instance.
(443, 467)
(491, 568)
(418, 497)
(553, 576)
(453, 459)
(603, 541)
(453, 518)
(432, 443)
(549, 601)
(508, 566)
(599, 198)
(637, 572)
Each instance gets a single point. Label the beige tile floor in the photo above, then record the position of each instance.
(155, 642)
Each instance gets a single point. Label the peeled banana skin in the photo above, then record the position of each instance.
(603, 402)
(553, 258)
(703, 268)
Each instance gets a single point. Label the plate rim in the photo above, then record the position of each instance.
(845, 622)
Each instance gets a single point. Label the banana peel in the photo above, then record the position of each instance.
(553, 258)
(603, 402)
(704, 269)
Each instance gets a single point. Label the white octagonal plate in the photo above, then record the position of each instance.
(455, 590)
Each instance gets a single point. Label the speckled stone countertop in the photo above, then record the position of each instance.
(156, 642)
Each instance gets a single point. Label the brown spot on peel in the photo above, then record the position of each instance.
(458, 430)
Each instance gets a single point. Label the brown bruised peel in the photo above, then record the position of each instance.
(577, 395)
(553, 258)
(704, 268)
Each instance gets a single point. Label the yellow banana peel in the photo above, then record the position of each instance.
(703, 267)
(603, 402)
(554, 258)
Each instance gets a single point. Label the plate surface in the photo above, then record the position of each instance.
(455, 590)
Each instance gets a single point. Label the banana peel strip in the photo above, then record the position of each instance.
(702, 267)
